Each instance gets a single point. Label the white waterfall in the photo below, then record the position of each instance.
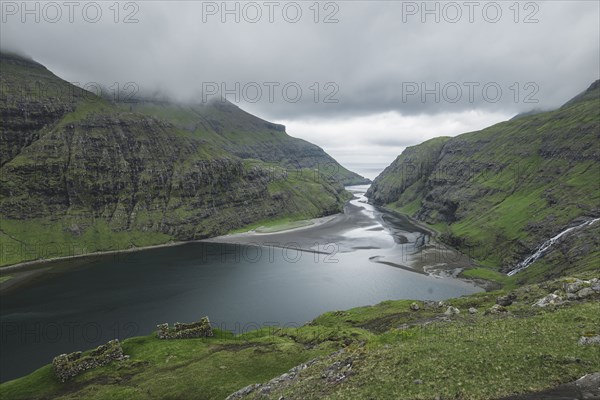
(546, 245)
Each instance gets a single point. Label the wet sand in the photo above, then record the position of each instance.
(371, 232)
(379, 235)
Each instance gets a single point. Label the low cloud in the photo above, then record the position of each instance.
(374, 141)
(400, 71)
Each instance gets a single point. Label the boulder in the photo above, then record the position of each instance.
(571, 296)
(586, 340)
(505, 300)
(496, 309)
(573, 287)
(551, 299)
(414, 307)
(451, 311)
(472, 310)
(585, 292)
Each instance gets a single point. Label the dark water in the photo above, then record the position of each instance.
(77, 305)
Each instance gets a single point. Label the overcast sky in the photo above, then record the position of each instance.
(374, 76)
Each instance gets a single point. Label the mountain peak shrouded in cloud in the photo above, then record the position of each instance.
(591, 92)
(17, 55)
(397, 61)
(409, 75)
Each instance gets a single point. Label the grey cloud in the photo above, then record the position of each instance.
(391, 142)
(374, 59)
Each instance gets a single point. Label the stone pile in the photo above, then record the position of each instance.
(198, 329)
(572, 289)
(67, 366)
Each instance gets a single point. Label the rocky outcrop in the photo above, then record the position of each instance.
(549, 300)
(410, 169)
(506, 300)
(259, 390)
(338, 367)
(571, 289)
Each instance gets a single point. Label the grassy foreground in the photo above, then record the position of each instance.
(389, 352)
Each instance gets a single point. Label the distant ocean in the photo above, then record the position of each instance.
(368, 170)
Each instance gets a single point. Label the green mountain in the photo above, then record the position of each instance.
(499, 193)
(80, 174)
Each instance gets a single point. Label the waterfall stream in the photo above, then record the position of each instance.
(546, 245)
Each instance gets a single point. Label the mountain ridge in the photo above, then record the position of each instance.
(500, 192)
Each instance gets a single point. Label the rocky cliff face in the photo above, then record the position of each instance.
(32, 99)
(246, 136)
(80, 174)
(500, 192)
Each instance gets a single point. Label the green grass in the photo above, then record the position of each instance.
(473, 357)
(487, 274)
(40, 239)
(192, 368)
(479, 359)
(273, 225)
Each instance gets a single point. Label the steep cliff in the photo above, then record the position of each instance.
(499, 193)
(245, 135)
(81, 174)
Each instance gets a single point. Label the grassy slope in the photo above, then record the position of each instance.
(49, 237)
(472, 357)
(498, 193)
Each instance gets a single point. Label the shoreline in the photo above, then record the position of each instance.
(300, 236)
(29, 269)
(310, 224)
(22, 265)
(432, 232)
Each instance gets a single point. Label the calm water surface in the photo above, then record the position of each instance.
(77, 305)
